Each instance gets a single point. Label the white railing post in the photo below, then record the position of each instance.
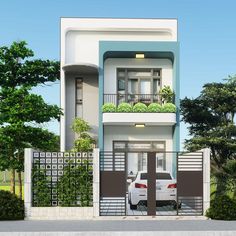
(206, 179)
(28, 154)
(96, 182)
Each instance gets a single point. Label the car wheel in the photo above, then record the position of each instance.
(132, 207)
(129, 199)
(175, 206)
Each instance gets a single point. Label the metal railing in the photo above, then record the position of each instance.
(132, 98)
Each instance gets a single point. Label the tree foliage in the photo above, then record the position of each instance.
(22, 113)
(211, 124)
(84, 142)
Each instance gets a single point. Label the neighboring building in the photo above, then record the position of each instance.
(121, 60)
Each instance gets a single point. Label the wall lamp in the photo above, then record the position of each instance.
(139, 125)
(139, 55)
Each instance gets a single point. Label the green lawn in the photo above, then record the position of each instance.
(5, 185)
(7, 188)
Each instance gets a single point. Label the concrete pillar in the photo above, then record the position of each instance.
(206, 179)
(96, 182)
(28, 181)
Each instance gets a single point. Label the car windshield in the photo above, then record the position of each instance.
(158, 176)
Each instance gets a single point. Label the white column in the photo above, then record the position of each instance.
(63, 107)
(206, 179)
(96, 182)
(63, 91)
(28, 154)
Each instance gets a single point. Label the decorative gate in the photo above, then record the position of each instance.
(113, 184)
(190, 183)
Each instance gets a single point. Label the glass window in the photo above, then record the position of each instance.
(133, 86)
(145, 86)
(79, 97)
(156, 86)
(121, 86)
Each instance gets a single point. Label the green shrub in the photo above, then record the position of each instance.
(11, 207)
(222, 208)
(124, 107)
(167, 94)
(169, 107)
(109, 107)
(140, 107)
(154, 107)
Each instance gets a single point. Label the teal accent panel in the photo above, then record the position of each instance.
(176, 129)
(128, 49)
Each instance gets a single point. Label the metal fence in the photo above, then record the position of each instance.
(132, 98)
(62, 179)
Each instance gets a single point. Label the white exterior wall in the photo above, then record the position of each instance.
(80, 45)
(81, 36)
(111, 65)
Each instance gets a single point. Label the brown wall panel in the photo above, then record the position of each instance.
(151, 183)
(190, 183)
(112, 184)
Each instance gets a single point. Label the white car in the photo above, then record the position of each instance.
(165, 189)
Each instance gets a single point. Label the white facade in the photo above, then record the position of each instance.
(80, 39)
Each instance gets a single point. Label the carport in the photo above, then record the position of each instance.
(192, 178)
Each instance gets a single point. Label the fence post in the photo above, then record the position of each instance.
(206, 179)
(28, 155)
(96, 182)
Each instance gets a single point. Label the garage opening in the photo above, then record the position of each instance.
(139, 183)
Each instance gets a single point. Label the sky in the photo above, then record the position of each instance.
(206, 32)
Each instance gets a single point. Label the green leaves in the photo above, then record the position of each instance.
(18, 105)
(15, 70)
(167, 94)
(75, 185)
(211, 124)
(11, 207)
(41, 189)
(85, 142)
(21, 112)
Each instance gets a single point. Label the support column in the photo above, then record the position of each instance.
(151, 184)
(28, 154)
(96, 182)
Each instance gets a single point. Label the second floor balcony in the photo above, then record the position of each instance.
(133, 99)
(133, 109)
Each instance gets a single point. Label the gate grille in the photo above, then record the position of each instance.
(190, 183)
(112, 161)
(113, 206)
(113, 187)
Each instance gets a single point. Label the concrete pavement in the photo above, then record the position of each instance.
(119, 227)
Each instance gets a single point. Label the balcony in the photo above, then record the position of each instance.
(132, 98)
(131, 117)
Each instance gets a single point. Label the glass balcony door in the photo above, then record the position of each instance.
(138, 85)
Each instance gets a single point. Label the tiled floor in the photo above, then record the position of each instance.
(142, 210)
(118, 208)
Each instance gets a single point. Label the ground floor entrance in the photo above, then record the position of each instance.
(135, 181)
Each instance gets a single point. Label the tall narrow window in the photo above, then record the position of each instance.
(79, 97)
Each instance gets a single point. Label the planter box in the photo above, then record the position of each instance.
(150, 119)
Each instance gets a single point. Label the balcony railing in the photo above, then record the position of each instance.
(132, 98)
